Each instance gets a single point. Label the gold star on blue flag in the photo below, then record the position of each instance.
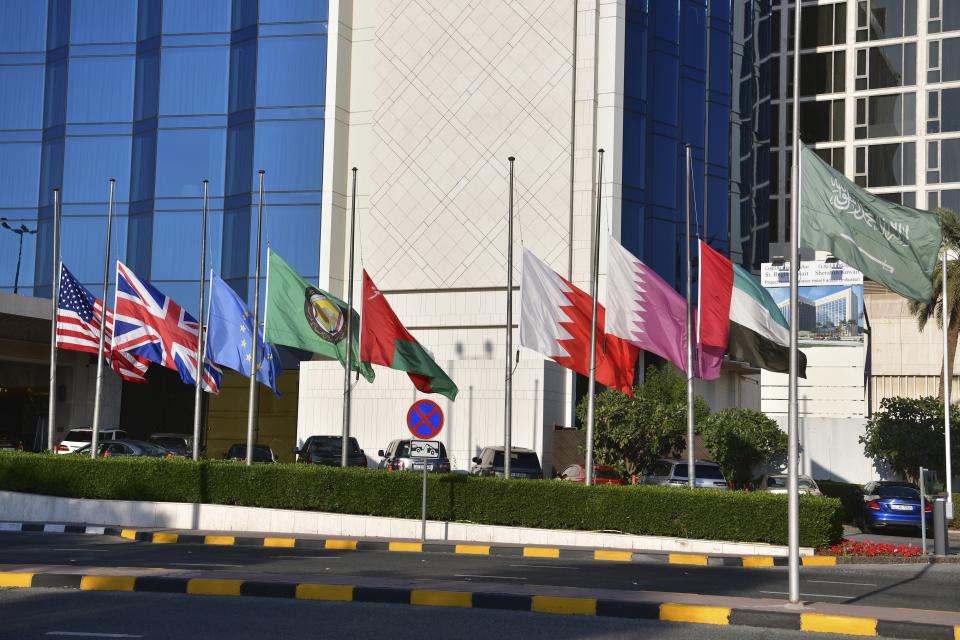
(228, 327)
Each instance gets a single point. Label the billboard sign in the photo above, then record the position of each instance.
(830, 301)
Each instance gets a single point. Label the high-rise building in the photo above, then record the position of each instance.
(427, 100)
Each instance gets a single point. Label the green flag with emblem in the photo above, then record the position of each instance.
(300, 315)
(889, 243)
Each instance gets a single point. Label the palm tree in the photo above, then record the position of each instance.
(924, 311)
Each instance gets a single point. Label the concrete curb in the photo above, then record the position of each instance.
(410, 546)
(563, 605)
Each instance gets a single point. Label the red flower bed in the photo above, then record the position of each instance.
(868, 549)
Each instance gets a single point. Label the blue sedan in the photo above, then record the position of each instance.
(893, 504)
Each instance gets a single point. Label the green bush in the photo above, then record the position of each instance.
(740, 440)
(642, 510)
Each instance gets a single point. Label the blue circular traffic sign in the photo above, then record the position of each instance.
(425, 419)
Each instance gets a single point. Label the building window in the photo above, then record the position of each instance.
(880, 19)
(823, 25)
(945, 198)
(886, 116)
(886, 66)
(821, 121)
(943, 161)
(833, 156)
(820, 73)
(885, 165)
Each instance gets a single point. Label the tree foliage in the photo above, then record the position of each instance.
(907, 433)
(740, 440)
(924, 311)
(631, 433)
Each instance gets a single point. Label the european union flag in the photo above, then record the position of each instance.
(229, 331)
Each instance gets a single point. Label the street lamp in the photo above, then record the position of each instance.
(20, 231)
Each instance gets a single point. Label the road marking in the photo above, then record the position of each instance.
(16, 579)
(541, 552)
(201, 564)
(83, 549)
(672, 612)
(406, 547)
(547, 566)
(279, 542)
(856, 584)
(107, 583)
(307, 557)
(809, 595)
(470, 575)
(613, 556)
(345, 545)
(336, 592)
(441, 598)
(213, 587)
(569, 606)
(473, 549)
(91, 634)
(219, 540)
(687, 558)
(848, 625)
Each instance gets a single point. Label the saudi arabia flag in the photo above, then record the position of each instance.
(759, 334)
(302, 316)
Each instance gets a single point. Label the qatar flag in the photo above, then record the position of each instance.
(555, 320)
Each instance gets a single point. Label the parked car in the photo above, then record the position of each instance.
(397, 457)
(261, 453)
(601, 474)
(178, 444)
(893, 504)
(326, 450)
(8, 443)
(777, 483)
(125, 447)
(524, 463)
(673, 473)
(77, 438)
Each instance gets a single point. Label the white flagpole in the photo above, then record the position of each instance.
(197, 397)
(95, 439)
(594, 292)
(947, 375)
(793, 444)
(54, 294)
(691, 461)
(348, 365)
(252, 402)
(508, 391)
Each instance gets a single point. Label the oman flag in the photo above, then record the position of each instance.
(555, 320)
(385, 341)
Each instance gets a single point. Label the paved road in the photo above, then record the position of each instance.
(52, 614)
(914, 586)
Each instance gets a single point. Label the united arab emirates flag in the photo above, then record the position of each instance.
(300, 315)
(759, 334)
(385, 341)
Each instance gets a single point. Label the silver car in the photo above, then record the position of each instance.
(397, 457)
(673, 473)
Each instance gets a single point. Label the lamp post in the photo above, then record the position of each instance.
(20, 231)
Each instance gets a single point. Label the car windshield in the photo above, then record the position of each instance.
(907, 493)
(780, 482)
(150, 448)
(79, 435)
(525, 459)
(172, 444)
(332, 444)
(703, 471)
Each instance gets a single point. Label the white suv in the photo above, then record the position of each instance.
(77, 438)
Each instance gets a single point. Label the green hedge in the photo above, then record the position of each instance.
(850, 496)
(643, 510)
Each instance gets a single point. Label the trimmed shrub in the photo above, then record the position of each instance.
(641, 510)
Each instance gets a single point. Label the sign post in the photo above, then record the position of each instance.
(923, 513)
(424, 420)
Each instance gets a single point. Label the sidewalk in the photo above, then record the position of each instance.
(665, 606)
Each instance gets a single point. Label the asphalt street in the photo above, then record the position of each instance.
(52, 614)
(918, 586)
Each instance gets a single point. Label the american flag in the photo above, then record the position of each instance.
(79, 315)
(152, 326)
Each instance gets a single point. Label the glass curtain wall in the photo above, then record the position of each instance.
(160, 96)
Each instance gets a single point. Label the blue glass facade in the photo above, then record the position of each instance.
(696, 75)
(161, 94)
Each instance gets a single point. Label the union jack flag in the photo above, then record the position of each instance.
(79, 314)
(152, 326)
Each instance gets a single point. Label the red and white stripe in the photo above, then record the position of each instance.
(76, 334)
